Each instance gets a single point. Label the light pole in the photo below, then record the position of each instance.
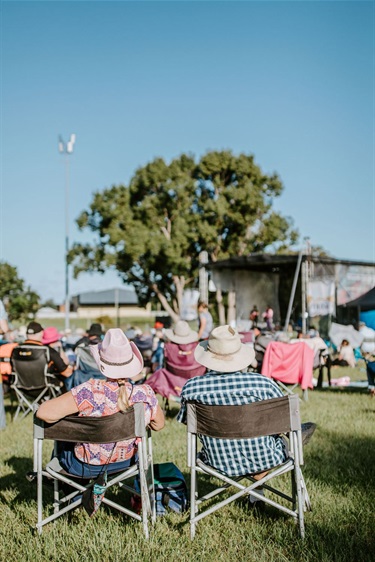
(67, 149)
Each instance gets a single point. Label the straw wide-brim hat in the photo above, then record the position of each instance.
(224, 351)
(116, 356)
(181, 333)
(51, 335)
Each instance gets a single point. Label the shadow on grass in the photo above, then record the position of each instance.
(343, 389)
(344, 460)
(345, 542)
(17, 481)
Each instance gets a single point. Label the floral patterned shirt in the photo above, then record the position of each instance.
(97, 398)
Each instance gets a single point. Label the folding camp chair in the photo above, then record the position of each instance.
(106, 429)
(86, 368)
(179, 359)
(180, 366)
(32, 383)
(268, 417)
(289, 364)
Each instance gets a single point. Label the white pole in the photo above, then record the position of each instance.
(67, 149)
(67, 297)
(293, 292)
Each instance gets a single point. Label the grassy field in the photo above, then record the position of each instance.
(339, 467)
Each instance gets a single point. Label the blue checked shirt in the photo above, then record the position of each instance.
(235, 457)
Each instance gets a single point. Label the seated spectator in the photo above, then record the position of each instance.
(228, 383)
(57, 365)
(120, 361)
(346, 356)
(157, 358)
(4, 328)
(93, 337)
(368, 344)
(260, 344)
(5, 363)
(52, 338)
(368, 353)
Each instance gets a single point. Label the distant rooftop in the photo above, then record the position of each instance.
(107, 297)
(268, 262)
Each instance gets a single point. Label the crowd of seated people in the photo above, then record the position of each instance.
(218, 369)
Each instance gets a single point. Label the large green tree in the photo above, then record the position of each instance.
(153, 230)
(20, 300)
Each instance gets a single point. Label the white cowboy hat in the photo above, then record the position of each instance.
(181, 333)
(224, 351)
(116, 356)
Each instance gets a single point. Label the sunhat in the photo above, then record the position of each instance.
(51, 335)
(116, 356)
(181, 333)
(224, 351)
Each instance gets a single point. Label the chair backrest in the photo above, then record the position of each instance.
(180, 360)
(85, 361)
(5, 355)
(30, 364)
(247, 421)
(89, 429)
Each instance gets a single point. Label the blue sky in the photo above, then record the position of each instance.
(290, 82)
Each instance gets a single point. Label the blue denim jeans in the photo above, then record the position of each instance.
(71, 464)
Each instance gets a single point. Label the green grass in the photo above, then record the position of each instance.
(339, 467)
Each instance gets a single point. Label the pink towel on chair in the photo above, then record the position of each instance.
(289, 363)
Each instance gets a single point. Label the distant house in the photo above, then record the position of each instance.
(47, 312)
(115, 303)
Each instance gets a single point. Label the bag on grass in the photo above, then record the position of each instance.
(93, 496)
(170, 489)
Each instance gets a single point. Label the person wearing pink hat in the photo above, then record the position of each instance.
(52, 337)
(120, 361)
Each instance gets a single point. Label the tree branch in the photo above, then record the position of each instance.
(165, 304)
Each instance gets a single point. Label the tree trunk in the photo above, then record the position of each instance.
(231, 307)
(220, 307)
(175, 317)
(179, 283)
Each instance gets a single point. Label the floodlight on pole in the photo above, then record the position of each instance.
(67, 149)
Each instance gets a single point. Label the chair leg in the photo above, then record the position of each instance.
(294, 490)
(193, 486)
(39, 485)
(328, 365)
(300, 501)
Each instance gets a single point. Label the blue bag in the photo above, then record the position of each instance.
(170, 489)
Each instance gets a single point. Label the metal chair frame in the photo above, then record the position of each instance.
(32, 383)
(106, 429)
(268, 417)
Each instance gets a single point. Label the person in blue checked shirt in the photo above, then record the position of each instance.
(228, 383)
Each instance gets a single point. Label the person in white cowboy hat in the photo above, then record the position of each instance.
(227, 382)
(181, 333)
(119, 361)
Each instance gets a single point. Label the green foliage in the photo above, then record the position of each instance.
(20, 299)
(153, 230)
(50, 303)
